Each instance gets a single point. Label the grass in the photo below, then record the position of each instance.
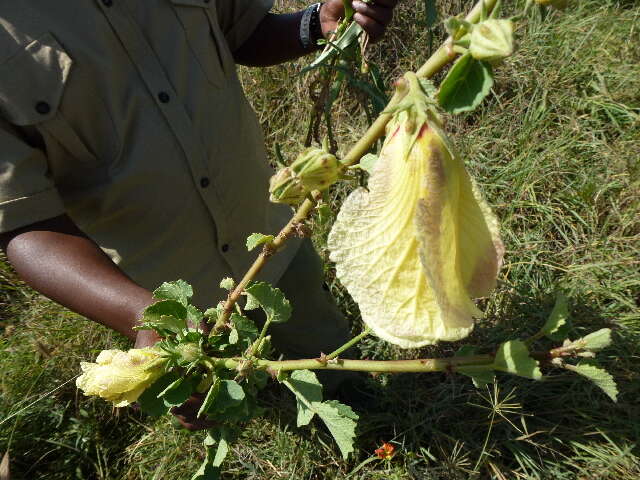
(556, 149)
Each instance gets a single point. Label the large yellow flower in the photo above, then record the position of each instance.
(121, 377)
(415, 246)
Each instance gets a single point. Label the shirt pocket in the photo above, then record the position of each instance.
(206, 40)
(34, 87)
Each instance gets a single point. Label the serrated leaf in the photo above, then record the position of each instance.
(166, 308)
(149, 401)
(557, 325)
(307, 389)
(598, 375)
(468, 82)
(341, 422)
(245, 327)
(194, 316)
(367, 162)
(228, 283)
(272, 301)
(598, 340)
(513, 357)
(339, 418)
(252, 303)
(179, 291)
(256, 239)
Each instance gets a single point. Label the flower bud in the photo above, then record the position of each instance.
(492, 40)
(121, 377)
(286, 187)
(316, 168)
(189, 352)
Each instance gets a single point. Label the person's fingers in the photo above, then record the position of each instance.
(187, 414)
(374, 29)
(381, 14)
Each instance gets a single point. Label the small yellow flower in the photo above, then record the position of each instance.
(121, 377)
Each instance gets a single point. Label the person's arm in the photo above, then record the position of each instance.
(57, 259)
(277, 37)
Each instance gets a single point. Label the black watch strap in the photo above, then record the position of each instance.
(310, 27)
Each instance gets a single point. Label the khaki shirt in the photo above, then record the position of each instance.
(128, 116)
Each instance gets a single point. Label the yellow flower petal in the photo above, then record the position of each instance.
(413, 248)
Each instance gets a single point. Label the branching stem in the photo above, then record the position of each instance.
(440, 59)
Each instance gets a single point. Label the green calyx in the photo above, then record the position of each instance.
(314, 169)
(492, 40)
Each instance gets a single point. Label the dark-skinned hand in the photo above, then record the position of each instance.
(373, 17)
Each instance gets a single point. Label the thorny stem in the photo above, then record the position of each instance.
(440, 59)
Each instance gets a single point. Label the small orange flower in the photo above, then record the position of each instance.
(386, 451)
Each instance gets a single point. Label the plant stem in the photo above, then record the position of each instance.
(348, 345)
(386, 366)
(440, 59)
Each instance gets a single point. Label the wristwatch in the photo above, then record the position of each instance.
(310, 27)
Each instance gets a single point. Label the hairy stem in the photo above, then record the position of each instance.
(384, 366)
(440, 59)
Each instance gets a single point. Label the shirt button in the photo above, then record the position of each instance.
(107, 3)
(205, 182)
(225, 248)
(43, 108)
(164, 97)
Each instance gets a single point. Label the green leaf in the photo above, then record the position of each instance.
(257, 239)
(349, 36)
(272, 301)
(227, 283)
(339, 418)
(481, 375)
(179, 291)
(251, 303)
(210, 468)
(368, 162)
(597, 375)
(431, 13)
(307, 390)
(179, 391)
(598, 340)
(341, 422)
(245, 327)
(165, 308)
(468, 82)
(149, 401)
(229, 395)
(465, 351)
(233, 336)
(194, 316)
(210, 397)
(513, 357)
(557, 325)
